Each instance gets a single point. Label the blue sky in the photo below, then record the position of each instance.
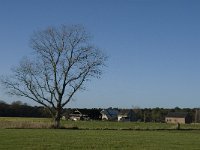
(153, 47)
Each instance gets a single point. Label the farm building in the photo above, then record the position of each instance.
(78, 115)
(109, 114)
(126, 115)
(178, 117)
(81, 114)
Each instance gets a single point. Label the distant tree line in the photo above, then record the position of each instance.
(19, 109)
(158, 114)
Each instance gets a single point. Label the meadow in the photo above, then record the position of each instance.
(97, 135)
(96, 139)
(22, 122)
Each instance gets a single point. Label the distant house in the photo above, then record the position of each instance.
(81, 114)
(178, 117)
(126, 115)
(78, 115)
(66, 114)
(109, 114)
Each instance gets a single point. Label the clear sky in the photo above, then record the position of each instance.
(153, 47)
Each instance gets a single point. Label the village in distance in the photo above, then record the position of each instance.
(135, 114)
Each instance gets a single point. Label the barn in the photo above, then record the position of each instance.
(178, 117)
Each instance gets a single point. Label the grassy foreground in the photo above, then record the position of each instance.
(23, 133)
(47, 139)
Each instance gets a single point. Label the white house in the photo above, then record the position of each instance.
(109, 114)
(126, 115)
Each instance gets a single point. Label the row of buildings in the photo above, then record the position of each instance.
(125, 115)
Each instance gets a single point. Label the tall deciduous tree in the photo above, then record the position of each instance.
(64, 61)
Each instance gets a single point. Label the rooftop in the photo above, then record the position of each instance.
(177, 114)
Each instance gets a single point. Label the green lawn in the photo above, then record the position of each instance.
(97, 139)
(95, 135)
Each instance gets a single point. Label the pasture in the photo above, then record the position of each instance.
(95, 139)
(97, 135)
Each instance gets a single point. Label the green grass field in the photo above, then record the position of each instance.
(96, 139)
(96, 135)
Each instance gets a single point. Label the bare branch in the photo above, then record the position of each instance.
(64, 61)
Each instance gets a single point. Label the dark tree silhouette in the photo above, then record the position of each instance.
(64, 61)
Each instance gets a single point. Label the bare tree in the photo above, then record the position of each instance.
(64, 60)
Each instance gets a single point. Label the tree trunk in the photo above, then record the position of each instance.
(57, 118)
(57, 122)
(144, 117)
